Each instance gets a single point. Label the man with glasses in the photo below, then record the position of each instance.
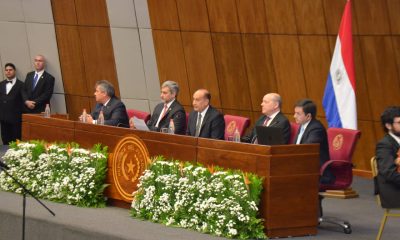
(388, 159)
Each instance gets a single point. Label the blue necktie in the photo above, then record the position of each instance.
(35, 79)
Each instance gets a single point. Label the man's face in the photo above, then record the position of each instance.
(300, 116)
(39, 63)
(395, 127)
(166, 95)
(200, 102)
(268, 105)
(100, 95)
(9, 72)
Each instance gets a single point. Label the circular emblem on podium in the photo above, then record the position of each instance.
(337, 142)
(230, 129)
(130, 159)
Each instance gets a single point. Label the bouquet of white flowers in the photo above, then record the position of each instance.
(209, 200)
(58, 172)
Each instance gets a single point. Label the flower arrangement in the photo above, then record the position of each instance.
(209, 200)
(57, 172)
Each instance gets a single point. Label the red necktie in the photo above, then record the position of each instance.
(266, 121)
(164, 110)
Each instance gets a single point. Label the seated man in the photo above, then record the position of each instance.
(169, 109)
(272, 116)
(388, 159)
(205, 121)
(312, 131)
(114, 110)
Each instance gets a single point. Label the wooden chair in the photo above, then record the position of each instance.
(387, 213)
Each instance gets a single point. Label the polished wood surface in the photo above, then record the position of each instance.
(290, 197)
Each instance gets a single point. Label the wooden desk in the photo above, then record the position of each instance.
(289, 202)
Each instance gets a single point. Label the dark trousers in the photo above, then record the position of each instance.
(10, 132)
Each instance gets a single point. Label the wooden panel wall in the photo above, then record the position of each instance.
(85, 50)
(240, 50)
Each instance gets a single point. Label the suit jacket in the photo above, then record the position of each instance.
(11, 103)
(213, 125)
(114, 113)
(388, 179)
(280, 120)
(175, 112)
(41, 94)
(316, 133)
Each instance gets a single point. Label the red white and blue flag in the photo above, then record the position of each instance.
(339, 100)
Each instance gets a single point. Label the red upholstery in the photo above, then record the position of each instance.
(232, 122)
(342, 143)
(139, 114)
(294, 128)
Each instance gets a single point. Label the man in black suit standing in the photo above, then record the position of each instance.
(205, 121)
(38, 87)
(114, 110)
(272, 117)
(312, 131)
(388, 159)
(10, 105)
(169, 109)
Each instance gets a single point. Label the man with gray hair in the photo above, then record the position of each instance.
(114, 110)
(272, 116)
(168, 109)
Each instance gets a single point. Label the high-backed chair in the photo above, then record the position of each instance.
(232, 122)
(387, 213)
(342, 143)
(294, 128)
(139, 114)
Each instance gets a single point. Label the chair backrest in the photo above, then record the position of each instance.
(139, 114)
(374, 169)
(294, 128)
(232, 122)
(342, 143)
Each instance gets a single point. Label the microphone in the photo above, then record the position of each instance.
(4, 166)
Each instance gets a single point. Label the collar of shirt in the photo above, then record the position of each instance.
(395, 137)
(304, 126)
(170, 103)
(105, 104)
(12, 80)
(272, 117)
(203, 113)
(40, 73)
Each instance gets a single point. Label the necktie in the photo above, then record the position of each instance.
(198, 125)
(300, 134)
(266, 121)
(9, 81)
(35, 78)
(164, 110)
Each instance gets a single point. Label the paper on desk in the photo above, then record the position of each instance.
(140, 124)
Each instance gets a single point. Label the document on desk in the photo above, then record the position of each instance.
(140, 124)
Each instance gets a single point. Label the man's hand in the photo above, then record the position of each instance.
(30, 104)
(131, 124)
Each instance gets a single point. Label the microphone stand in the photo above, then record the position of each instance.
(25, 191)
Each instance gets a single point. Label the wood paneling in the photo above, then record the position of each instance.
(171, 61)
(193, 15)
(372, 17)
(200, 64)
(231, 71)
(92, 12)
(280, 16)
(64, 12)
(259, 67)
(76, 104)
(381, 73)
(252, 17)
(70, 52)
(315, 55)
(223, 16)
(288, 69)
(163, 14)
(333, 14)
(396, 47)
(394, 16)
(309, 17)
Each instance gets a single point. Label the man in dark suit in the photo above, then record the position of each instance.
(169, 109)
(38, 88)
(10, 105)
(388, 159)
(312, 131)
(272, 117)
(205, 121)
(114, 110)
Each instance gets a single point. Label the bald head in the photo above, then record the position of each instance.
(201, 100)
(39, 62)
(271, 104)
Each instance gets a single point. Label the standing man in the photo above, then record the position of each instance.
(312, 131)
(38, 87)
(205, 121)
(10, 105)
(272, 117)
(169, 109)
(114, 110)
(388, 159)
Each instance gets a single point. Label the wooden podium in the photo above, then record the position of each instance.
(289, 202)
